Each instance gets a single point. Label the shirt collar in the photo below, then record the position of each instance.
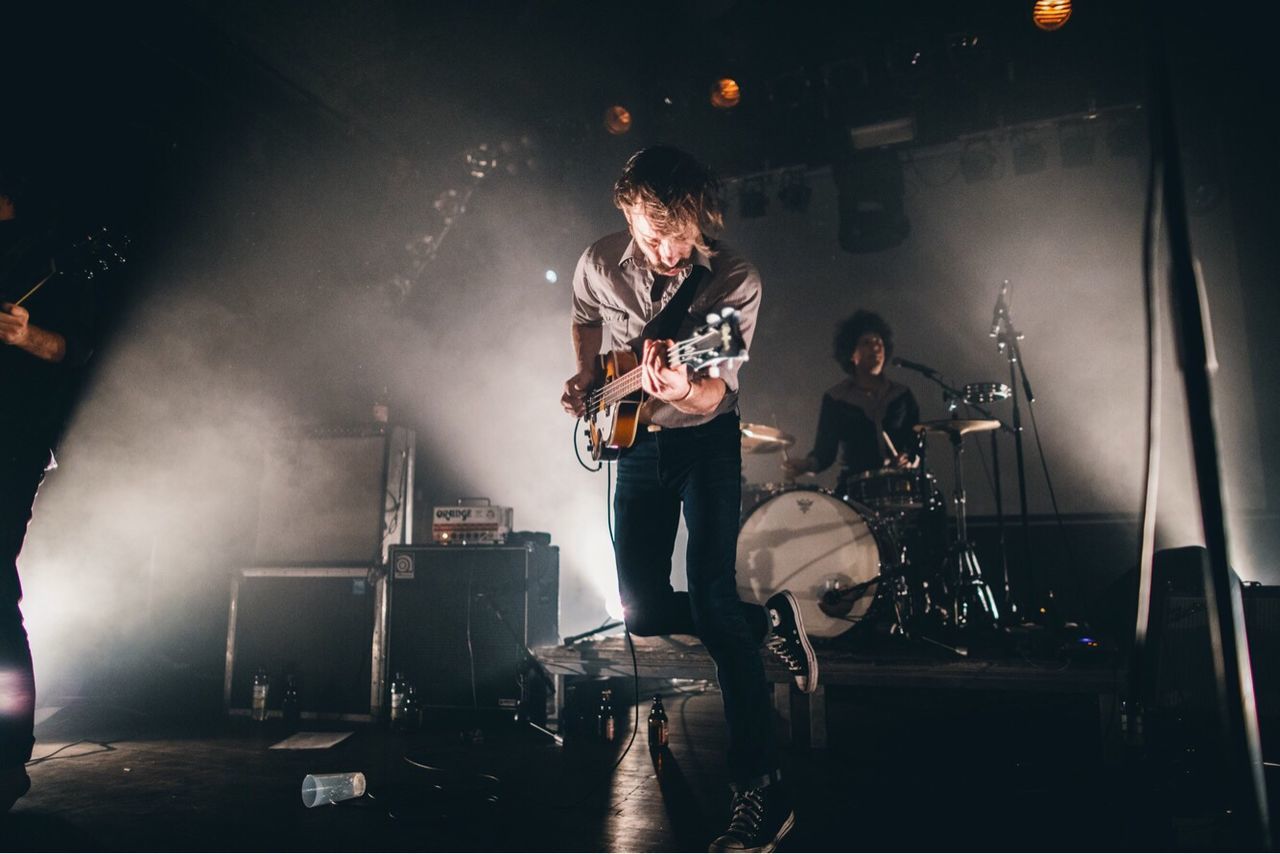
(633, 255)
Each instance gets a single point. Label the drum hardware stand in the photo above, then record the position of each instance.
(971, 596)
(960, 554)
(1007, 338)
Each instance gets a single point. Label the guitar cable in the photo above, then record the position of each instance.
(577, 452)
(631, 647)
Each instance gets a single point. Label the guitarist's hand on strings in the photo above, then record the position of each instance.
(16, 330)
(14, 324)
(575, 392)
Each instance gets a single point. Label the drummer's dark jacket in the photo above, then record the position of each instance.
(851, 421)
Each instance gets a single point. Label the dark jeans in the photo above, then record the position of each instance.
(699, 468)
(22, 469)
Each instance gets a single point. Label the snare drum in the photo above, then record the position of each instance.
(816, 545)
(887, 489)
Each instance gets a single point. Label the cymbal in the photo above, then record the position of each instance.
(958, 426)
(761, 439)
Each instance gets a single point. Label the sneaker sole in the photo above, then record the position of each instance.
(810, 657)
(782, 831)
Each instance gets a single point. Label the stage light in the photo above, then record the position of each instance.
(752, 200)
(795, 191)
(870, 197)
(1075, 144)
(1050, 15)
(978, 162)
(613, 604)
(879, 134)
(1028, 155)
(725, 93)
(481, 160)
(617, 120)
(552, 277)
(1126, 137)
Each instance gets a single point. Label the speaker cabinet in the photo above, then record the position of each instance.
(462, 616)
(321, 625)
(336, 495)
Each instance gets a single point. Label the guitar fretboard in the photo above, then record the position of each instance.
(630, 382)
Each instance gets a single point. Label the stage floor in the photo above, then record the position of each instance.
(906, 769)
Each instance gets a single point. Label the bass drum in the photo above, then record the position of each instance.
(810, 542)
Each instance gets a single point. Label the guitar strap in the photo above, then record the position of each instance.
(667, 322)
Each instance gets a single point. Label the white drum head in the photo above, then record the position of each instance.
(808, 541)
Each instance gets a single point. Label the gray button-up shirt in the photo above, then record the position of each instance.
(613, 287)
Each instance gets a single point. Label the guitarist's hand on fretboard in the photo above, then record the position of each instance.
(676, 384)
(659, 378)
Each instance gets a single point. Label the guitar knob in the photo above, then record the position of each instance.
(713, 318)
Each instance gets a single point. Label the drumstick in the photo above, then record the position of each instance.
(786, 458)
(892, 450)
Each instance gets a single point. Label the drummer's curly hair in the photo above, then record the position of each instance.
(854, 327)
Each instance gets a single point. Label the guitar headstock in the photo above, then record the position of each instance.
(99, 252)
(717, 341)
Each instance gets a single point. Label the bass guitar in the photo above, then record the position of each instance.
(98, 252)
(613, 407)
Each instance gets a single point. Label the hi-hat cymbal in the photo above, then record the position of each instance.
(761, 439)
(958, 426)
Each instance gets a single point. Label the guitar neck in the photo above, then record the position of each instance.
(629, 382)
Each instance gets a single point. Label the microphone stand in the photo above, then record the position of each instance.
(1007, 339)
(529, 663)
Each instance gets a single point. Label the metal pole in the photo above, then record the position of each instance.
(1230, 648)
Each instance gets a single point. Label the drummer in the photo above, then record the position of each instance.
(869, 416)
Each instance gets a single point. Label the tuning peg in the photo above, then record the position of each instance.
(713, 371)
(713, 318)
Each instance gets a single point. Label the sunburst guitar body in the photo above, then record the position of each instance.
(613, 407)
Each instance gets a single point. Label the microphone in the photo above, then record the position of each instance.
(839, 601)
(1000, 310)
(914, 366)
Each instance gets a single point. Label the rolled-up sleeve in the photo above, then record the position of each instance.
(586, 305)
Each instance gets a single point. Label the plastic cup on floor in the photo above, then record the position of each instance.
(321, 789)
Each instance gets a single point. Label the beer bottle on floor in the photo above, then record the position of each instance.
(290, 708)
(606, 725)
(397, 701)
(261, 685)
(411, 712)
(658, 731)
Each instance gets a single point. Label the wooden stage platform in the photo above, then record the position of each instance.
(886, 663)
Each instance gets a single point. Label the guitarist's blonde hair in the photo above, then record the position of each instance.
(676, 192)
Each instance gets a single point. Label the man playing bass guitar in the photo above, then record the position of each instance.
(686, 457)
(44, 341)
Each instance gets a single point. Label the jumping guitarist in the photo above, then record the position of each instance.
(685, 457)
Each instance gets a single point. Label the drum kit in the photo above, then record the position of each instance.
(873, 552)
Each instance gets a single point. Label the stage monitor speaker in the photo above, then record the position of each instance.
(322, 625)
(336, 495)
(461, 618)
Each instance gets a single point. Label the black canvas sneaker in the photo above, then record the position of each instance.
(788, 641)
(760, 818)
